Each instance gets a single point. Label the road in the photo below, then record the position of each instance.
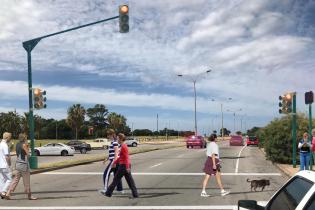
(166, 179)
(77, 155)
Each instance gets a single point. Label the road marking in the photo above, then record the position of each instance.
(156, 165)
(238, 160)
(164, 174)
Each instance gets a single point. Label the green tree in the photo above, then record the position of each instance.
(10, 122)
(76, 116)
(276, 137)
(98, 117)
(118, 122)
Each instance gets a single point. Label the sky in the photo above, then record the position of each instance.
(256, 50)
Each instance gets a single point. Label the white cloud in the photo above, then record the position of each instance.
(257, 50)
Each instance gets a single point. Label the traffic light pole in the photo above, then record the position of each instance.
(294, 131)
(310, 132)
(29, 46)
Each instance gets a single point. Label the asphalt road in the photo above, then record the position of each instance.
(166, 179)
(77, 155)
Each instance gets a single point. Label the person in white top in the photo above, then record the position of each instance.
(5, 163)
(212, 167)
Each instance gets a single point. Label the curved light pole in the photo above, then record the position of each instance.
(194, 79)
(234, 111)
(222, 131)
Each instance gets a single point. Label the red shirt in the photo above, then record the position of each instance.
(313, 142)
(123, 156)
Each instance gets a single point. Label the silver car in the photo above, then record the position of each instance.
(54, 149)
(131, 142)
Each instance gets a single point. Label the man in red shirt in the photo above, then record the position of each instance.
(123, 169)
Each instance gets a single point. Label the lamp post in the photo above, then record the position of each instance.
(222, 131)
(194, 79)
(234, 111)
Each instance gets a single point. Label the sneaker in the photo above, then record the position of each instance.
(204, 194)
(121, 192)
(223, 192)
(102, 192)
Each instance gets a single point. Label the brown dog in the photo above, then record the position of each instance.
(258, 183)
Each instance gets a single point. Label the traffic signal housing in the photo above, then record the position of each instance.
(39, 99)
(123, 18)
(285, 104)
(309, 97)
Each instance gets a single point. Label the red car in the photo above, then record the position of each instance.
(192, 141)
(236, 141)
(252, 140)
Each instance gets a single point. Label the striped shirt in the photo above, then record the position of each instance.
(111, 150)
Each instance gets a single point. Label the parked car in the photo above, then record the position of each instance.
(83, 147)
(192, 141)
(131, 142)
(252, 140)
(298, 193)
(54, 149)
(100, 143)
(236, 140)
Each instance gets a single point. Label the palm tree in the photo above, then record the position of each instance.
(76, 116)
(116, 121)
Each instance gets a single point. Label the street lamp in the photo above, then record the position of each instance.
(194, 79)
(222, 131)
(234, 111)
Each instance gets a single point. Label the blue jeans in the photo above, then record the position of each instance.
(305, 158)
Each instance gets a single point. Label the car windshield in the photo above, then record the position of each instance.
(252, 138)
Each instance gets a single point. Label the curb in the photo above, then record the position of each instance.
(285, 172)
(47, 169)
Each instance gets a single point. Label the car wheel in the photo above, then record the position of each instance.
(134, 144)
(64, 153)
(37, 153)
(187, 146)
(83, 151)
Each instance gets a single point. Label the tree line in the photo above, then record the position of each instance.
(80, 123)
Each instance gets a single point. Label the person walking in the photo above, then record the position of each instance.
(5, 164)
(212, 167)
(123, 169)
(113, 154)
(22, 168)
(305, 152)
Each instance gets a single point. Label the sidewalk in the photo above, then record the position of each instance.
(287, 169)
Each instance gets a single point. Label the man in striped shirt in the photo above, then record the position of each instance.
(113, 154)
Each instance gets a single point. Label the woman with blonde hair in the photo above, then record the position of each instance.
(22, 168)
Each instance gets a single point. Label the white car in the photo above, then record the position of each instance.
(54, 149)
(131, 142)
(100, 143)
(297, 194)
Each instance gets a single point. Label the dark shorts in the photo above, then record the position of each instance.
(208, 168)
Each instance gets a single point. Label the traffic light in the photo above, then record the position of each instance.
(285, 104)
(123, 18)
(309, 97)
(39, 99)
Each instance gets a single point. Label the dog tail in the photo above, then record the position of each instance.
(247, 180)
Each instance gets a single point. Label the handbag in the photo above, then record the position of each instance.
(21, 166)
